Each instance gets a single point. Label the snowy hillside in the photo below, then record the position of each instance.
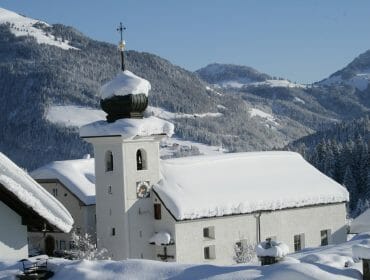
(24, 26)
(333, 262)
(359, 80)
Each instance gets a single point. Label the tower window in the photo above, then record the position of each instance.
(55, 192)
(113, 231)
(108, 161)
(110, 189)
(157, 211)
(141, 160)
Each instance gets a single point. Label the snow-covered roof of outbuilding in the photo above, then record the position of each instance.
(128, 128)
(361, 223)
(78, 176)
(209, 186)
(125, 83)
(30, 193)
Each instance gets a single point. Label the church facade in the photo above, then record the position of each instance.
(199, 209)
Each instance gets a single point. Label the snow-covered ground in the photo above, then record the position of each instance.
(24, 26)
(254, 112)
(77, 116)
(269, 83)
(72, 115)
(360, 80)
(163, 114)
(323, 263)
(171, 145)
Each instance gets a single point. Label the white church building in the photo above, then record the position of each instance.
(198, 209)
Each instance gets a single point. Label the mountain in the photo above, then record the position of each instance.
(45, 70)
(49, 71)
(229, 75)
(342, 153)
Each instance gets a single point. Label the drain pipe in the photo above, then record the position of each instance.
(258, 226)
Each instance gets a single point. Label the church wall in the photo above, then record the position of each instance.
(282, 225)
(13, 235)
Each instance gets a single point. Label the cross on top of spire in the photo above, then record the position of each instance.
(121, 45)
(120, 29)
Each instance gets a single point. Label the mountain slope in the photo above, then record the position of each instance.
(37, 75)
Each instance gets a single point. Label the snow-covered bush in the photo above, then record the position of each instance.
(84, 248)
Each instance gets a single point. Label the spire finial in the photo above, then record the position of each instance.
(121, 45)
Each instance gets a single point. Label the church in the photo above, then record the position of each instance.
(199, 209)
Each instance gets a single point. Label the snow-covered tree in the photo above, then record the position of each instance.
(245, 251)
(85, 248)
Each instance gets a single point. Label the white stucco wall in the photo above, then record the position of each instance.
(13, 235)
(282, 224)
(131, 217)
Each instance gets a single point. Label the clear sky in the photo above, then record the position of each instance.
(303, 40)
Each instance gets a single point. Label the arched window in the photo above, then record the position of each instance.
(108, 161)
(141, 160)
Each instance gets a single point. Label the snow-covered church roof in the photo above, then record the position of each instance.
(125, 83)
(30, 193)
(78, 176)
(209, 186)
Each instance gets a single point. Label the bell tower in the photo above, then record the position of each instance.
(126, 150)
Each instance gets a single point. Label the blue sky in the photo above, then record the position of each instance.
(303, 40)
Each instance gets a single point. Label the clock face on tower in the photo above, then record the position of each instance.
(142, 189)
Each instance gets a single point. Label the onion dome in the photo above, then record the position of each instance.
(126, 96)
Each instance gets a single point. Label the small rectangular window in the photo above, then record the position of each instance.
(110, 189)
(325, 234)
(157, 211)
(113, 231)
(55, 192)
(209, 232)
(298, 242)
(62, 245)
(209, 252)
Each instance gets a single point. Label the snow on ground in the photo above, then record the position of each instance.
(170, 145)
(27, 190)
(297, 99)
(322, 263)
(163, 114)
(359, 80)
(77, 175)
(269, 83)
(72, 115)
(275, 180)
(278, 83)
(254, 112)
(125, 83)
(213, 90)
(24, 26)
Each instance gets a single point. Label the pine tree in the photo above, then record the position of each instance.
(350, 183)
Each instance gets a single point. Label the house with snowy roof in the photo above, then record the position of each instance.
(72, 183)
(199, 209)
(25, 207)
